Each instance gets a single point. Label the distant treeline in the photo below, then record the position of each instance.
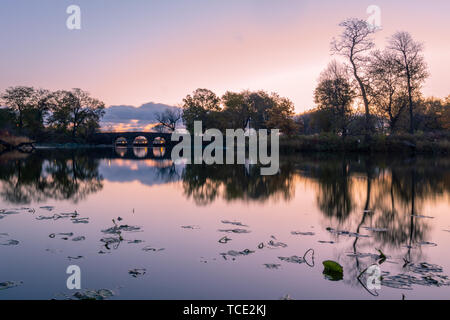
(60, 116)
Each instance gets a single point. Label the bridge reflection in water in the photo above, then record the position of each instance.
(142, 152)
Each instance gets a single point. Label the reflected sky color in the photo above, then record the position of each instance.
(310, 194)
(133, 52)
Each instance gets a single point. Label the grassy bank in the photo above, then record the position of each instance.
(417, 143)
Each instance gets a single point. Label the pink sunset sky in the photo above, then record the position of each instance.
(133, 52)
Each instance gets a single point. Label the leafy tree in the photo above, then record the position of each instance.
(7, 118)
(202, 105)
(261, 103)
(430, 114)
(77, 112)
(34, 116)
(30, 107)
(258, 110)
(334, 93)
(280, 116)
(238, 109)
(444, 117)
(18, 99)
(315, 121)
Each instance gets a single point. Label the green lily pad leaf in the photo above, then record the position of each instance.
(332, 270)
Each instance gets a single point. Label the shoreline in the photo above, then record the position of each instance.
(433, 144)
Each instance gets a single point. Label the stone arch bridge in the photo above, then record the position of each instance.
(110, 138)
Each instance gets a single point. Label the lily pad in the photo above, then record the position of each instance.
(332, 270)
(75, 257)
(9, 284)
(272, 266)
(224, 239)
(135, 241)
(299, 233)
(148, 248)
(234, 230)
(292, 259)
(10, 242)
(93, 294)
(118, 229)
(80, 220)
(137, 272)
(346, 233)
(49, 208)
(236, 223)
(376, 229)
(190, 227)
(274, 244)
(234, 253)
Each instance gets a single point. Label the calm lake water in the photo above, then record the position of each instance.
(58, 208)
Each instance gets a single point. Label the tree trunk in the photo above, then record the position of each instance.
(411, 117)
(365, 100)
(408, 78)
(20, 119)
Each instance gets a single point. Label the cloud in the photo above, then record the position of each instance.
(148, 172)
(130, 118)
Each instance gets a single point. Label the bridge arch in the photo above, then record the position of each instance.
(121, 141)
(140, 141)
(159, 141)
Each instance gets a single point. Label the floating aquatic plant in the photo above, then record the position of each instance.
(224, 239)
(234, 230)
(10, 242)
(236, 223)
(272, 266)
(137, 272)
(332, 270)
(100, 294)
(234, 253)
(295, 233)
(148, 248)
(9, 284)
(346, 233)
(300, 260)
(274, 244)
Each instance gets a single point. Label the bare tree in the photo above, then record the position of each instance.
(411, 64)
(387, 88)
(353, 43)
(168, 119)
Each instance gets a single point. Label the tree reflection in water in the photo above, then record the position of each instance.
(206, 183)
(352, 191)
(57, 175)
